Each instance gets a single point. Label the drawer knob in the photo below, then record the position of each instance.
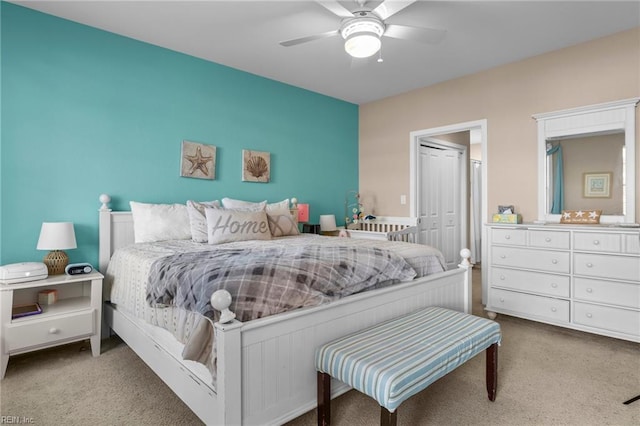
(502, 277)
(502, 299)
(554, 261)
(53, 330)
(553, 309)
(548, 239)
(554, 285)
(596, 242)
(589, 315)
(503, 256)
(589, 265)
(589, 290)
(507, 237)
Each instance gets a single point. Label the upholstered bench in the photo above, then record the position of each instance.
(395, 360)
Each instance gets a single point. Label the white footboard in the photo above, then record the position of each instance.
(276, 356)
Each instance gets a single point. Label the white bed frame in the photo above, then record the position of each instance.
(266, 372)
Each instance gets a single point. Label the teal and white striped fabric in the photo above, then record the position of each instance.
(397, 359)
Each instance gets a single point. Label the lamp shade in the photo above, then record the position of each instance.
(328, 223)
(57, 236)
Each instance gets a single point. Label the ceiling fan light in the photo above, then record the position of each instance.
(362, 45)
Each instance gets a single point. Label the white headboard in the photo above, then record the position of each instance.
(116, 230)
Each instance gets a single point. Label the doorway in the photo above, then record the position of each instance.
(419, 188)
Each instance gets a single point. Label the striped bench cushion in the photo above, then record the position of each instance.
(397, 359)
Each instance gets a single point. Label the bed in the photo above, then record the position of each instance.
(264, 371)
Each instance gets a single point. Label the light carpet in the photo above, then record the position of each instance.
(546, 376)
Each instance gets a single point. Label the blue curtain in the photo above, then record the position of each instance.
(558, 181)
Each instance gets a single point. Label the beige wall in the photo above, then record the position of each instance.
(603, 70)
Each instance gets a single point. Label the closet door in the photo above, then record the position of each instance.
(440, 187)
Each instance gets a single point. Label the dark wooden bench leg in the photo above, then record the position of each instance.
(324, 399)
(492, 371)
(387, 418)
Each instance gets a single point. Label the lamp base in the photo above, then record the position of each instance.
(56, 261)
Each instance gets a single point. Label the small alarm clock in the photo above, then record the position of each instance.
(78, 269)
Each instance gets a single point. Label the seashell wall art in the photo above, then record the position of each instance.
(256, 166)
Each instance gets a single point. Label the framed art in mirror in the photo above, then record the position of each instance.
(597, 185)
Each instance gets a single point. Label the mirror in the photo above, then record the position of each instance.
(586, 161)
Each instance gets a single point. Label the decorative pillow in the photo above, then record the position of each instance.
(160, 222)
(198, 220)
(230, 203)
(225, 226)
(281, 223)
(590, 217)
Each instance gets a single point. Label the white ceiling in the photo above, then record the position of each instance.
(245, 35)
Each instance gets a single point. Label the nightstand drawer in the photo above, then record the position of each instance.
(49, 329)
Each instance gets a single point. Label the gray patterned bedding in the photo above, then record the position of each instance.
(349, 266)
(269, 280)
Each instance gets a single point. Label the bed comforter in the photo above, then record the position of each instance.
(145, 279)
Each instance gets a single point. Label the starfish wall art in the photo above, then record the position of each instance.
(198, 160)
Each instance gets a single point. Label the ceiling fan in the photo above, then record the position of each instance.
(363, 28)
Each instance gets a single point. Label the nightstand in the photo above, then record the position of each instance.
(75, 316)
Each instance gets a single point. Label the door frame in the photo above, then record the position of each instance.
(414, 146)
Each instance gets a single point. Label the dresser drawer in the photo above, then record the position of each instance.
(597, 241)
(603, 266)
(610, 292)
(632, 243)
(509, 236)
(542, 260)
(529, 304)
(614, 319)
(549, 239)
(48, 329)
(536, 282)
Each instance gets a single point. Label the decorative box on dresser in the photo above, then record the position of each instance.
(75, 316)
(583, 277)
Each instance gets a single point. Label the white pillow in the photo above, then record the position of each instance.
(224, 226)
(197, 219)
(230, 203)
(160, 222)
(281, 223)
(284, 204)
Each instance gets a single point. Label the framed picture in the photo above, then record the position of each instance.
(256, 166)
(198, 160)
(597, 185)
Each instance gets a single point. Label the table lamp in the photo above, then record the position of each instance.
(328, 224)
(56, 236)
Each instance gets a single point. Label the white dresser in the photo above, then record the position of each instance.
(581, 277)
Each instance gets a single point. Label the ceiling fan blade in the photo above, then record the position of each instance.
(335, 8)
(421, 35)
(295, 41)
(389, 8)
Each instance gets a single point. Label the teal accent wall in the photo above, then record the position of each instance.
(86, 112)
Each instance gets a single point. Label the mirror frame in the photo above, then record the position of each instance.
(605, 118)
